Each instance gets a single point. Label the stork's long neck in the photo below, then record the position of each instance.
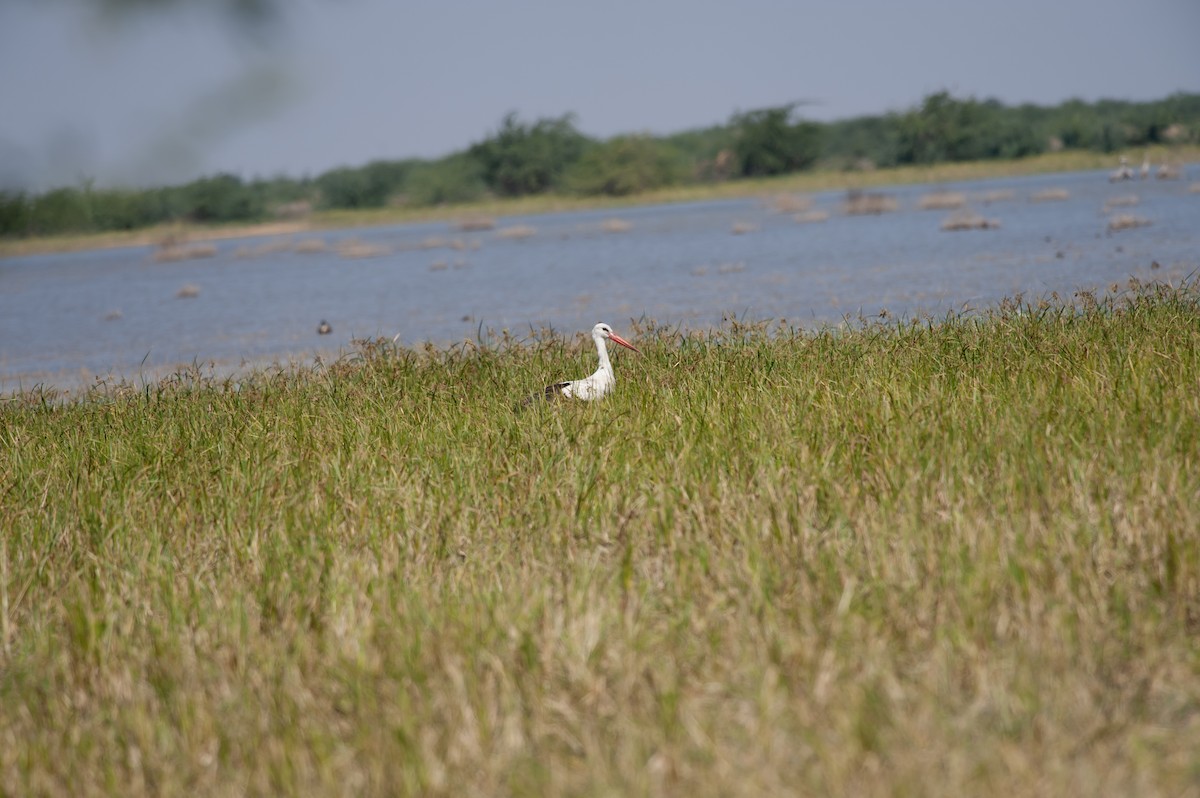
(602, 351)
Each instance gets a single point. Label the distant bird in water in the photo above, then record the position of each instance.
(590, 388)
(323, 328)
(1144, 172)
(1123, 172)
(1168, 171)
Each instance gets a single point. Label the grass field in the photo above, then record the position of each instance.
(919, 558)
(812, 181)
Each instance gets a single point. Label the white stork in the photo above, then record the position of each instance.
(596, 386)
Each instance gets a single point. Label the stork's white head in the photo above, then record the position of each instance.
(603, 332)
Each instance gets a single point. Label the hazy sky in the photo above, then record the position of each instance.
(163, 97)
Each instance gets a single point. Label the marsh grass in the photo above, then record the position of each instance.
(1050, 195)
(789, 203)
(311, 246)
(354, 249)
(861, 203)
(476, 224)
(929, 557)
(943, 201)
(516, 232)
(997, 195)
(811, 217)
(177, 251)
(969, 220)
(1126, 221)
(616, 225)
(1124, 201)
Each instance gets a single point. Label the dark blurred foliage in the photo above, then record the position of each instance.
(253, 17)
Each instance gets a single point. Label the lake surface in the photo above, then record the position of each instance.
(69, 319)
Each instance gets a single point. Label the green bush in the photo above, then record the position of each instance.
(64, 210)
(624, 165)
(223, 198)
(850, 142)
(125, 209)
(371, 186)
(528, 159)
(343, 188)
(14, 214)
(282, 190)
(769, 143)
(450, 180)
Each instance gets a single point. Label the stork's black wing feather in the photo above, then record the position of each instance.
(554, 391)
(547, 394)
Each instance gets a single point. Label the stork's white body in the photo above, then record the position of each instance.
(598, 384)
(601, 382)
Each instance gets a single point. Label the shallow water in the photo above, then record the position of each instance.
(68, 319)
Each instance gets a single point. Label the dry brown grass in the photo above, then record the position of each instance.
(1125, 201)
(173, 251)
(270, 247)
(742, 228)
(789, 203)
(469, 224)
(353, 248)
(1050, 195)
(1126, 221)
(942, 201)
(516, 232)
(864, 203)
(810, 217)
(615, 226)
(968, 220)
(998, 195)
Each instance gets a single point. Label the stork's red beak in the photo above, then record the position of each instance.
(619, 340)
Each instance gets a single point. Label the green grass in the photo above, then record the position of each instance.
(952, 558)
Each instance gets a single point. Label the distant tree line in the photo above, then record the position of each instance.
(551, 156)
